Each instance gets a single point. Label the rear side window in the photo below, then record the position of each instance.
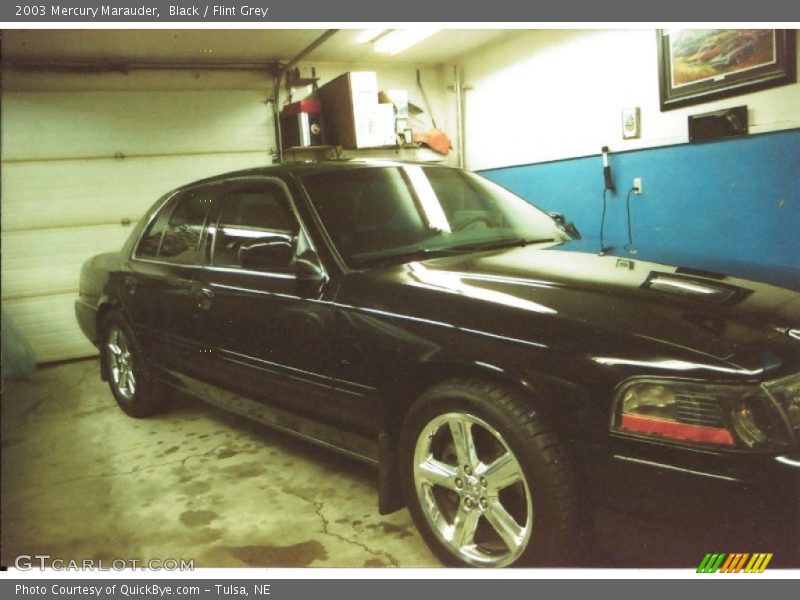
(175, 236)
(151, 240)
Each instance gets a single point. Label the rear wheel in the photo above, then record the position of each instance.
(129, 375)
(485, 479)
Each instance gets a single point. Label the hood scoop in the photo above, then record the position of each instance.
(697, 288)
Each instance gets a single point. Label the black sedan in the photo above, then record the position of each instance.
(518, 396)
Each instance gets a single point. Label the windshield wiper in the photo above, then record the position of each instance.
(496, 244)
(379, 258)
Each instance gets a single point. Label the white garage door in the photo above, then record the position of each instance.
(76, 164)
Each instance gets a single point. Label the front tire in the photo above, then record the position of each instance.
(486, 479)
(129, 375)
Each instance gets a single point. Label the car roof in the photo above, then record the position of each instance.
(310, 168)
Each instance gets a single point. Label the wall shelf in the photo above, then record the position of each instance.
(412, 152)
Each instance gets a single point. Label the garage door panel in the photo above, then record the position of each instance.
(78, 163)
(47, 125)
(49, 325)
(48, 261)
(79, 192)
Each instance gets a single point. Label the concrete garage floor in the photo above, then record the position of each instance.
(81, 480)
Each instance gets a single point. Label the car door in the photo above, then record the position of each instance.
(163, 292)
(271, 332)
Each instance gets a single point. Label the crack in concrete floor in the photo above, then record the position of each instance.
(318, 506)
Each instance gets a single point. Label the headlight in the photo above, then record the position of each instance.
(725, 416)
(786, 394)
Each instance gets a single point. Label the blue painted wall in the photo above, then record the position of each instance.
(730, 206)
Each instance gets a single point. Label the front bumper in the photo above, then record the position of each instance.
(654, 513)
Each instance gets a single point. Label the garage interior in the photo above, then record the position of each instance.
(97, 124)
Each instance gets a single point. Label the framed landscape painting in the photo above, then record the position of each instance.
(698, 65)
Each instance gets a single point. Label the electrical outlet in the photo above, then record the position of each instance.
(637, 185)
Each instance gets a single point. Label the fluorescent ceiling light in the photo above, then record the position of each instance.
(370, 35)
(400, 39)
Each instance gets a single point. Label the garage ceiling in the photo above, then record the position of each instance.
(228, 45)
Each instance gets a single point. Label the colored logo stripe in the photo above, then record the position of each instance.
(734, 563)
(758, 563)
(711, 563)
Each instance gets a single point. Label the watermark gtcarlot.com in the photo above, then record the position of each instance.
(30, 562)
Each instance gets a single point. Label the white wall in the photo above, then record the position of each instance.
(553, 94)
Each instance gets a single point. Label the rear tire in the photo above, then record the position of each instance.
(130, 377)
(486, 479)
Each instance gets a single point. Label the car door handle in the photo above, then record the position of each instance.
(205, 298)
(187, 286)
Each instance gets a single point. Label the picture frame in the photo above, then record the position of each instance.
(699, 65)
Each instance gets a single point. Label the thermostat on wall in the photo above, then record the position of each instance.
(630, 123)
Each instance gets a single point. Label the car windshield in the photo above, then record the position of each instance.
(387, 213)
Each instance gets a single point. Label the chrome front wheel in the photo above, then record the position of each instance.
(472, 490)
(486, 478)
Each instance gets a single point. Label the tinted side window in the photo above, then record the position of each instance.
(250, 218)
(181, 243)
(151, 240)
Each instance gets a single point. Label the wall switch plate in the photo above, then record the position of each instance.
(631, 126)
(637, 185)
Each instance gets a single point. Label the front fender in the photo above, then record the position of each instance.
(398, 395)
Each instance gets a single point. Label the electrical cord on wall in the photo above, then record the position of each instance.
(629, 246)
(608, 182)
(603, 223)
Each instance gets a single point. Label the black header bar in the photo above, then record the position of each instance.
(412, 11)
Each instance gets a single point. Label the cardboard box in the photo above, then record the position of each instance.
(383, 132)
(353, 117)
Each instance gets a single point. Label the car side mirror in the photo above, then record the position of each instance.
(568, 227)
(308, 267)
(270, 255)
(310, 274)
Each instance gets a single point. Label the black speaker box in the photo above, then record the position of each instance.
(717, 125)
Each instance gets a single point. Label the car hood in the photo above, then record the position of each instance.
(573, 294)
